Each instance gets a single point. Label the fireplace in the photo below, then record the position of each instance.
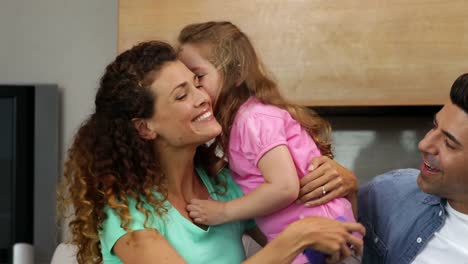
(29, 167)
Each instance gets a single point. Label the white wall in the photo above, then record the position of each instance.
(63, 42)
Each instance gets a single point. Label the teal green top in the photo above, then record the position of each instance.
(218, 244)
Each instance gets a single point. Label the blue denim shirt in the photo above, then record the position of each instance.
(399, 218)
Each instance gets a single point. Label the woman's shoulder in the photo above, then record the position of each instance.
(139, 214)
(222, 186)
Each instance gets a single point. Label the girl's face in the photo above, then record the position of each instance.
(183, 112)
(208, 76)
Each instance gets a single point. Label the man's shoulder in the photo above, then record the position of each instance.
(400, 179)
(399, 176)
(389, 207)
(390, 190)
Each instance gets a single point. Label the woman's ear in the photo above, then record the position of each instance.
(144, 130)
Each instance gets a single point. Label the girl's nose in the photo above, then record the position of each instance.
(201, 97)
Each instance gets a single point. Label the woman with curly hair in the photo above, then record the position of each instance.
(131, 173)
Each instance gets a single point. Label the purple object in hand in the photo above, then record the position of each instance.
(316, 257)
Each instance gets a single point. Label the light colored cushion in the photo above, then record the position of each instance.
(251, 247)
(64, 254)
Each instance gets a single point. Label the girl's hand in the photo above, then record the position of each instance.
(207, 212)
(326, 181)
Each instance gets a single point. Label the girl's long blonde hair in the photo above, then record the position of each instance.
(232, 53)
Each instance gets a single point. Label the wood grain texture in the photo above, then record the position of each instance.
(331, 52)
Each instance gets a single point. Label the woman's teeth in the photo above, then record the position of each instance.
(203, 117)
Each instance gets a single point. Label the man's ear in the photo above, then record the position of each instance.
(145, 132)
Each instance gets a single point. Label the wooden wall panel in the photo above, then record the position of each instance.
(331, 52)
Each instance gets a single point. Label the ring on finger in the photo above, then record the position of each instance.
(323, 190)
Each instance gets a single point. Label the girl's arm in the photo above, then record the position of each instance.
(146, 246)
(281, 188)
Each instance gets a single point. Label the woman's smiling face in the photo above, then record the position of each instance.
(183, 111)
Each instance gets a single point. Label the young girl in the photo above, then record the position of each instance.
(268, 141)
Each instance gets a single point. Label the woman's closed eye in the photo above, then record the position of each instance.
(180, 97)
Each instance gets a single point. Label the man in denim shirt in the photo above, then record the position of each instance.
(421, 216)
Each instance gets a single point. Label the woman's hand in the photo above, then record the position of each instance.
(328, 236)
(326, 181)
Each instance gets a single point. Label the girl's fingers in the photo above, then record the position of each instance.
(194, 214)
(194, 208)
(195, 201)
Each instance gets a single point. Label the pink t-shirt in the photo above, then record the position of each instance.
(258, 128)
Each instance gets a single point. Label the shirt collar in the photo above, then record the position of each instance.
(433, 200)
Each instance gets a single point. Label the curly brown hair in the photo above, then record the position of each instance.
(108, 162)
(232, 53)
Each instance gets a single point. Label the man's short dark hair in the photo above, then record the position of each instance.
(459, 92)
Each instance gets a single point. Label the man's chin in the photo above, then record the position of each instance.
(424, 184)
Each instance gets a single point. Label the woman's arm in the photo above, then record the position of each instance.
(146, 246)
(322, 234)
(281, 188)
(337, 181)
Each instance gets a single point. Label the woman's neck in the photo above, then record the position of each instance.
(179, 170)
(183, 184)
